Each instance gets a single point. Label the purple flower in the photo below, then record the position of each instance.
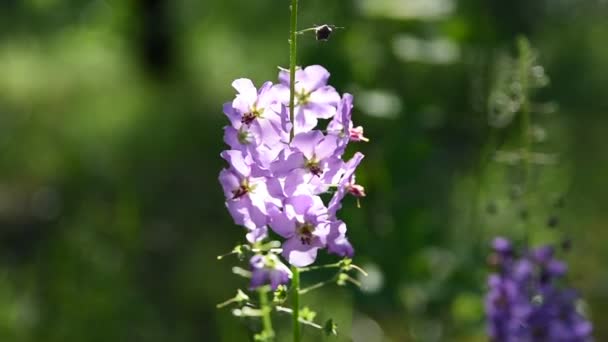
(502, 245)
(346, 184)
(268, 269)
(251, 105)
(314, 98)
(525, 301)
(311, 162)
(246, 194)
(257, 123)
(342, 124)
(303, 223)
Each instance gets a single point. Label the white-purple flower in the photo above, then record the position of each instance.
(257, 126)
(303, 223)
(314, 99)
(347, 184)
(312, 161)
(247, 196)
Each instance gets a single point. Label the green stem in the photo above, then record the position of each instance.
(295, 302)
(319, 267)
(524, 67)
(293, 36)
(292, 62)
(268, 332)
(319, 285)
(295, 281)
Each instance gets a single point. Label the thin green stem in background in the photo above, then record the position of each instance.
(524, 66)
(524, 69)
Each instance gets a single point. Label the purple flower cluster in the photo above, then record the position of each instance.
(274, 180)
(525, 302)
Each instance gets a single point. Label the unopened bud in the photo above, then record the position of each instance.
(355, 190)
(323, 32)
(356, 134)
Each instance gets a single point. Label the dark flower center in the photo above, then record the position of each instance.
(248, 118)
(253, 114)
(314, 168)
(305, 232)
(240, 191)
(243, 189)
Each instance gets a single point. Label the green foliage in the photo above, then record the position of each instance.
(111, 215)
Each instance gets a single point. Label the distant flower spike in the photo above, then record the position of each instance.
(525, 302)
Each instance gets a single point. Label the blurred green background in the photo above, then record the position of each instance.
(111, 215)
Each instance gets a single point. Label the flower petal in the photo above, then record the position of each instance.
(299, 254)
(307, 142)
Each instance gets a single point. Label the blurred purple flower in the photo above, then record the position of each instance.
(268, 270)
(525, 302)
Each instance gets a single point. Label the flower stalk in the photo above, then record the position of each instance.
(295, 302)
(293, 48)
(267, 331)
(267, 132)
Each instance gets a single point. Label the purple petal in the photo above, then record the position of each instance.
(284, 77)
(501, 245)
(314, 77)
(245, 88)
(256, 234)
(326, 147)
(326, 95)
(283, 166)
(278, 277)
(320, 110)
(337, 243)
(245, 214)
(305, 120)
(296, 182)
(299, 254)
(349, 171)
(307, 142)
(230, 182)
(266, 95)
(281, 224)
(297, 206)
(232, 114)
(237, 161)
